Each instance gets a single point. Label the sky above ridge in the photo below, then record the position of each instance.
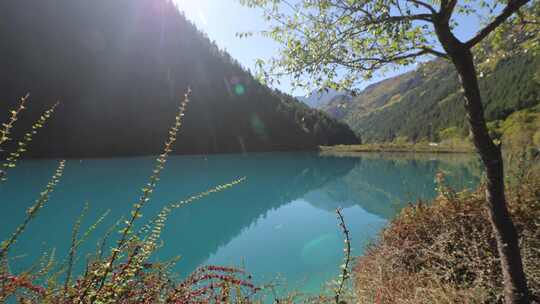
(222, 19)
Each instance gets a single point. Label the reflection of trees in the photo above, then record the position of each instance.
(198, 230)
(273, 180)
(194, 231)
(382, 183)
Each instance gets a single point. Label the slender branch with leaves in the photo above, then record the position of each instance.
(31, 213)
(347, 258)
(5, 131)
(126, 275)
(11, 160)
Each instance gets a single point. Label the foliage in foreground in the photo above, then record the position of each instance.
(125, 273)
(446, 253)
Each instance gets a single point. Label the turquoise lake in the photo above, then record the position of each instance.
(280, 224)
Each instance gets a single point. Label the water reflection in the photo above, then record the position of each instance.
(281, 220)
(382, 183)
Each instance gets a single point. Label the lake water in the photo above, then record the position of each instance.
(280, 223)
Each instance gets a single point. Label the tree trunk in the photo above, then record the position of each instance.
(515, 284)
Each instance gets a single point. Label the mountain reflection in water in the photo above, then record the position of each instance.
(280, 222)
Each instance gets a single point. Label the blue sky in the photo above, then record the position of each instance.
(222, 19)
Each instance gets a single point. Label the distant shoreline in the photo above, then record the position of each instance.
(389, 147)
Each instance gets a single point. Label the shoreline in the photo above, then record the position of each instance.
(408, 148)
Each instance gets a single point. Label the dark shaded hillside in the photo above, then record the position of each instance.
(420, 104)
(119, 69)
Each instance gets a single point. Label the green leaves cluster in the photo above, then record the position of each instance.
(339, 43)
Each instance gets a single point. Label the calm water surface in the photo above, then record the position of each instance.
(280, 223)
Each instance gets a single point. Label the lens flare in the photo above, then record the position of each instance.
(239, 89)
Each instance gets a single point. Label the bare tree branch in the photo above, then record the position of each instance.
(511, 8)
(435, 52)
(425, 5)
(424, 17)
(446, 10)
(373, 63)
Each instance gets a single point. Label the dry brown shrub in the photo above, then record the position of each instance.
(444, 252)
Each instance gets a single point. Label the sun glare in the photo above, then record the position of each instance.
(193, 10)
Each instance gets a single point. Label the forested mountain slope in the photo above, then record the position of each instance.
(119, 69)
(318, 100)
(422, 104)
